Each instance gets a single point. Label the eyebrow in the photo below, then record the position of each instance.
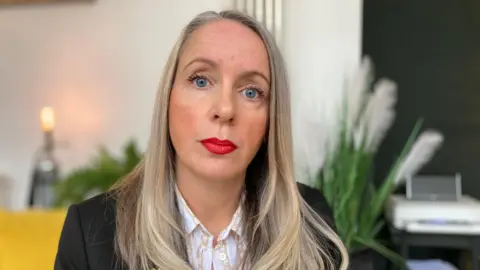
(201, 60)
(252, 73)
(248, 73)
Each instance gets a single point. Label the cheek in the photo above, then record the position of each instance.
(255, 126)
(181, 119)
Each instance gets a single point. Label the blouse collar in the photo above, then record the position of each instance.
(191, 222)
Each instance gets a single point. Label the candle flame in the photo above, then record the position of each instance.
(47, 119)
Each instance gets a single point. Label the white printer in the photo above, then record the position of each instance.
(439, 217)
(434, 204)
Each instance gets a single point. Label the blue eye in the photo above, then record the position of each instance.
(250, 93)
(200, 82)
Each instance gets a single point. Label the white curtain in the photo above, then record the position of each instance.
(268, 12)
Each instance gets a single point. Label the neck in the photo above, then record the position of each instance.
(213, 202)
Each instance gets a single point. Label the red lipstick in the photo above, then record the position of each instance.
(218, 147)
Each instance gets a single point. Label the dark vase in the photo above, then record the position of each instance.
(45, 175)
(361, 259)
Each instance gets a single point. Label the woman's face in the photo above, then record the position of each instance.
(219, 104)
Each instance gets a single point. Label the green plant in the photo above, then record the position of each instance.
(345, 175)
(98, 176)
(357, 204)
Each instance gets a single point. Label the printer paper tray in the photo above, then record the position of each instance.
(443, 229)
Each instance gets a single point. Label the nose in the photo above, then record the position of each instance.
(224, 109)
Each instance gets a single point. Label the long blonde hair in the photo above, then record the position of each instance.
(282, 231)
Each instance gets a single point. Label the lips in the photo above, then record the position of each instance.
(218, 147)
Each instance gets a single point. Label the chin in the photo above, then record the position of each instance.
(218, 170)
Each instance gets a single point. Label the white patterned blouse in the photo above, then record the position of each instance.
(202, 255)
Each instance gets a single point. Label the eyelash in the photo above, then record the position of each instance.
(195, 76)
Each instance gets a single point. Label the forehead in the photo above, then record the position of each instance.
(228, 43)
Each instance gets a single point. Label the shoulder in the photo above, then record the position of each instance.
(93, 215)
(315, 199)
(99, 212)
(98, 209)
(87, 238)
(97, 217)
(308, 193)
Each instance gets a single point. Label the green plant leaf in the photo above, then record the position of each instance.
(388, 185)
(101, 172)
(379, 226)
(382, 250)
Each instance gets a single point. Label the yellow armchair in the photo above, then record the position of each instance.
(29, 239)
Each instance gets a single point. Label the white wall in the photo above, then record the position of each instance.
(322, 47)
(99, 64)
(322, 42)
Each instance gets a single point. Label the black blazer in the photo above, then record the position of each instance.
(87, 238)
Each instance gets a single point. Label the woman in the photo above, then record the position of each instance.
(215, 189)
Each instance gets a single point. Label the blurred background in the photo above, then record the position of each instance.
(98, 64)
(78, 80)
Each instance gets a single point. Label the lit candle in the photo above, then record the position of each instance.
(45, 172)
(47, 119)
